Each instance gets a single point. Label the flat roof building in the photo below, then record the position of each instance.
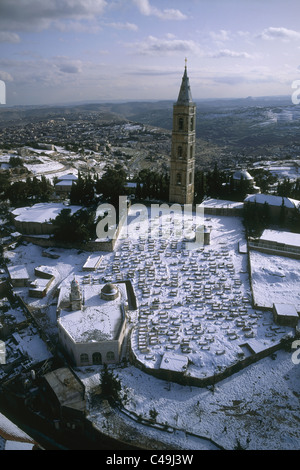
(285, 314)
(93, 332)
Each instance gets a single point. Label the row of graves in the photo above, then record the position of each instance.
(194, 305)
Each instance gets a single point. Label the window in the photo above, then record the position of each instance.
(84, 358)
(178, 179)
(190, 178)
(180, 123)
(191, 151)
(110, 356)
(97, 358)
(192, 123)
(180, 152)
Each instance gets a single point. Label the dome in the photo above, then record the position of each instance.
(109, 291)
(242, 174)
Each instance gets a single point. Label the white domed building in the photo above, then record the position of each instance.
(243, 176)
(92, 322)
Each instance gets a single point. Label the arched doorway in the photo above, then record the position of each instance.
(97, 358)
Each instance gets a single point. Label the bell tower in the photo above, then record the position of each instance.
(182, 168)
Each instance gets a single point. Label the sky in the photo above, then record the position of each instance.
(65, 51)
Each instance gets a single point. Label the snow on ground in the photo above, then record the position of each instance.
(257, 407)
(47, 165)
(68, 265)
(194, 304)
(285, 169)
(275, 279)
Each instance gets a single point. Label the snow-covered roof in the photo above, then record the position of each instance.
(242, 174)
(42, 212)
(92, 261)
(18, 272)
(221, 203)
(288, 310)
(12, 437)
(288, 238)
(69, 176)
(64, 183)
(272, 200)
(99, 320)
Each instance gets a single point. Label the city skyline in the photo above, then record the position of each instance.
(73, 50)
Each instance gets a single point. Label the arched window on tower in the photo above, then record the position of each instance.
(178, 179)
(179, 150)
(180, 123)
(190, 178)
(192, 123)
(191, 151)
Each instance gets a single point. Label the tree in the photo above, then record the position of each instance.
(110, 386)
(200, 186)
(112, 185)
(79, 227)
(15, 161)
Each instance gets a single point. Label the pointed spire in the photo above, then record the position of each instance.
(185, 95)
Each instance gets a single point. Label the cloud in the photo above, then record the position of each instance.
(36, 15)
(66, 65)
(279, 33)
(156, 46)
(127, 26)
(148, 10)
(230, 53)
(5, 76)
(220, 36)
(7, 36)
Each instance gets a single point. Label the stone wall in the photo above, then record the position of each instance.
(184, 379)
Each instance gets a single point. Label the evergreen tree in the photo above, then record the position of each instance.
(79, 227)
(110, 386)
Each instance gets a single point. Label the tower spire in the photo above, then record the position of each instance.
(185, 95)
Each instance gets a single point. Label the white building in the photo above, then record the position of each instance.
(37, 219)
(64, 184)
(91, 328)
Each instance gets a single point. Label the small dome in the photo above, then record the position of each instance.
(109, 288)
(109, 291)
(242, 174)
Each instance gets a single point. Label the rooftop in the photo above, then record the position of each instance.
(99, 320)
(42, 212)
(287, 238)
(273, 200)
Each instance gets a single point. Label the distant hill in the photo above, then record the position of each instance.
(250, 126)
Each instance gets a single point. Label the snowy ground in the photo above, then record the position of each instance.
(275, 279)
(46, 165)
(283, 169)
(194, 304)
(257, 407)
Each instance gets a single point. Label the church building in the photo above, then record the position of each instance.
(182, 167)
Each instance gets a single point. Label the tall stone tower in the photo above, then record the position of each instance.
(183, 146)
